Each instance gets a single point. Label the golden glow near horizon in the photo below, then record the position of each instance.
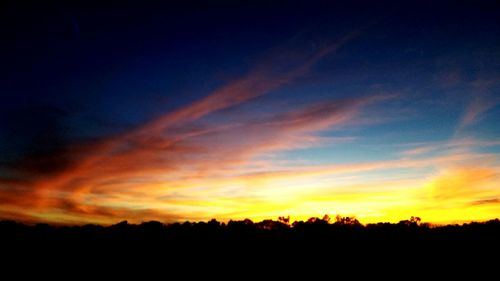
(456, 190)
(200, 162)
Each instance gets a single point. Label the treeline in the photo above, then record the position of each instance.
(277, 231)
(341, 241)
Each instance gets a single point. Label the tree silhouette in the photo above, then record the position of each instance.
(344, 237)
(339, 220)
(284, 220)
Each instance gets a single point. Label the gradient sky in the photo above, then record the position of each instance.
(143, 110)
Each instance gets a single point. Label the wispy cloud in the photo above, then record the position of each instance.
(278, 70)
(476, 109)
(455, 145)
(203, 160)
(487, 201)
(170, 151)
(482, 101)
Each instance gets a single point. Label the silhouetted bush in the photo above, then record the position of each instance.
(344, 239)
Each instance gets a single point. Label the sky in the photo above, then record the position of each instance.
(150, 110)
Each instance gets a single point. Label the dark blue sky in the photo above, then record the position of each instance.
(121, 62)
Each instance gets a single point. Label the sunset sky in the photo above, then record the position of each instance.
(146, 110)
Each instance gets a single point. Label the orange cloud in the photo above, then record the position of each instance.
(463, 186)
(103, 176)
(183, 165)
(461, 194)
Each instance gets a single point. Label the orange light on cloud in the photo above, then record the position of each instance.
(180, 166)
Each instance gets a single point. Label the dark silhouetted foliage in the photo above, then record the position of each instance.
(343, 241)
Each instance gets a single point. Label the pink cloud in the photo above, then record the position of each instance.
(481, 102)
(474, 111)
(176, 146)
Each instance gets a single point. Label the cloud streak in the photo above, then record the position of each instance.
(179, 146)
(482, 101)
(202, 161)
(475, 110)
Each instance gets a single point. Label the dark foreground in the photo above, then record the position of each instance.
(243, 244)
